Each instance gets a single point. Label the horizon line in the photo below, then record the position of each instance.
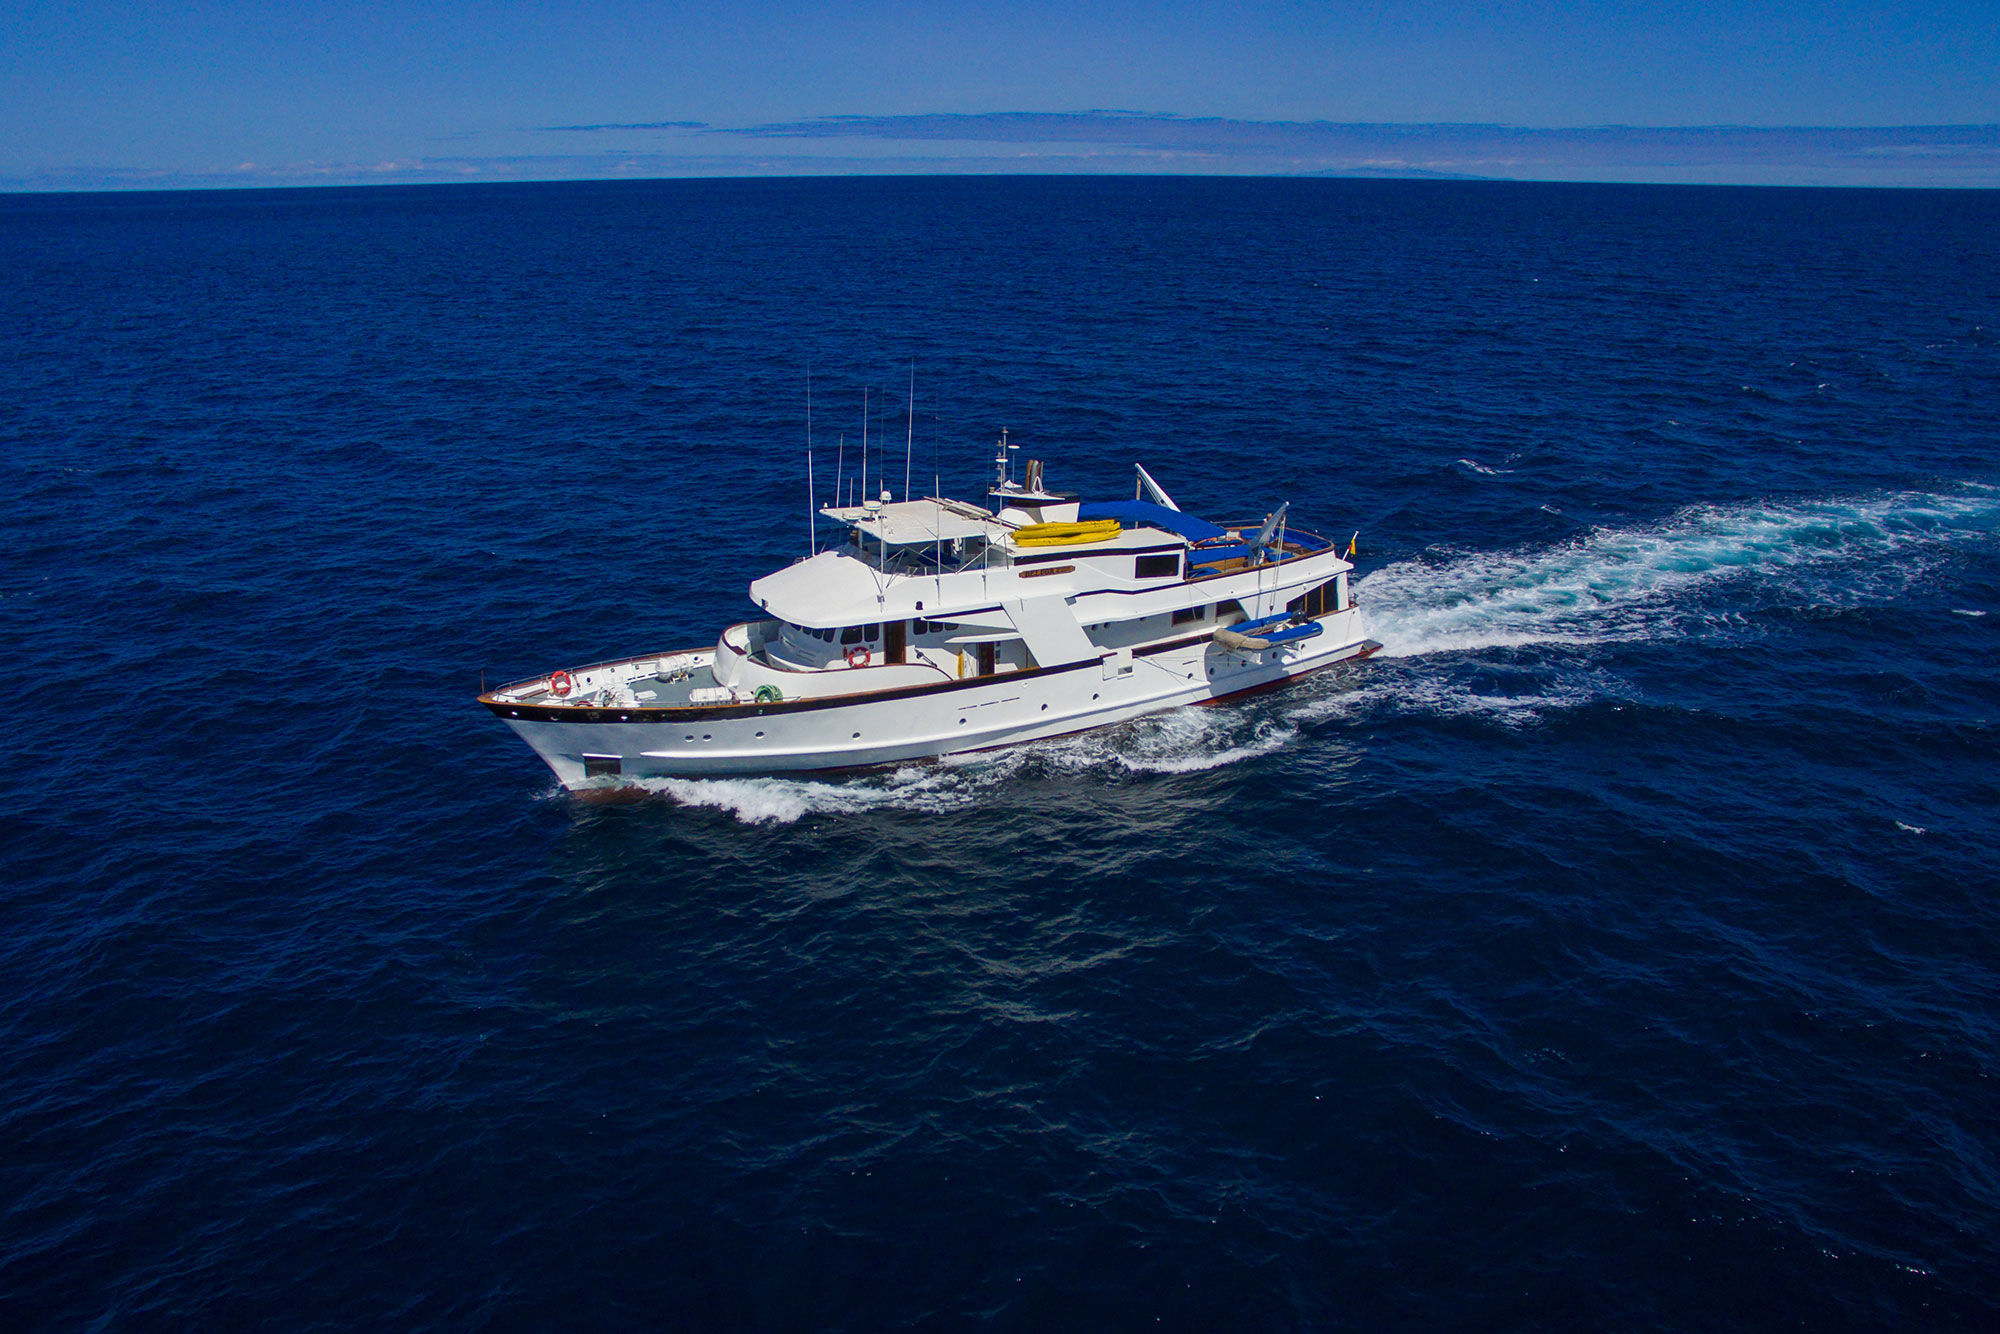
(1939, 156)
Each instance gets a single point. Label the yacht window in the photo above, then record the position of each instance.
(851, 635)
(1158, 567)
(1317, 601)
(1189, 615)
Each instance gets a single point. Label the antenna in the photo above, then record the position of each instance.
(910, 436)
(812, 501)
(840, 473)
(864, 443)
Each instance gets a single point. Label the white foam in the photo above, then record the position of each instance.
(1413, 691)
(1911, 828)
(914, 787)
(1475, 466)
(1632, 583)
(1189, 740)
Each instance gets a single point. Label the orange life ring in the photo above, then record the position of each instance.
(560, 684)
(859, 656)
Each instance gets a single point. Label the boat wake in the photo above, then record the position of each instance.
(1432, 613)
(1622, 584)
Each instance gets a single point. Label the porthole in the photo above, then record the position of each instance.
(760, 736)
(688, 737)
(1045, 708)
(961, 722)
(857, 736)
(708, 736)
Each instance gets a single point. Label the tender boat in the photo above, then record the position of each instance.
(939, 627)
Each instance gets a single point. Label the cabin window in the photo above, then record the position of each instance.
(1317, 601)
(1158, 567)
(1229, 608)
(1189, 615)
(851, 635)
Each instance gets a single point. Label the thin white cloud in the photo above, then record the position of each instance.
(1126, 142)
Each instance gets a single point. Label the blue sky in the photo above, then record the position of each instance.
(97, 94)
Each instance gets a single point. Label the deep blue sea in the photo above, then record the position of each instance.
(1620, 949)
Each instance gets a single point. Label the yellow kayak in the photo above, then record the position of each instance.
(1066, 534)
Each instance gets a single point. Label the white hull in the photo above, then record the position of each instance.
(857, 731)
(941, 628)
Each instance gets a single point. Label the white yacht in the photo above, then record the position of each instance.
(939, 627)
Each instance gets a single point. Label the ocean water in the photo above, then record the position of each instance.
(1619, 949)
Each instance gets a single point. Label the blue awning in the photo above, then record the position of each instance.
(1145, 511)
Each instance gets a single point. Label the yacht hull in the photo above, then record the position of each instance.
(865, 730)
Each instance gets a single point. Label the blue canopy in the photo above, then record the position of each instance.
(1145, 511)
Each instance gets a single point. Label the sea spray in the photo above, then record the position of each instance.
(1639, 582)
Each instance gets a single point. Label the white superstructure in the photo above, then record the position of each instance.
(941, 627)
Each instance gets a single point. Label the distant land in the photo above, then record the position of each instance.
(1131, 143)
